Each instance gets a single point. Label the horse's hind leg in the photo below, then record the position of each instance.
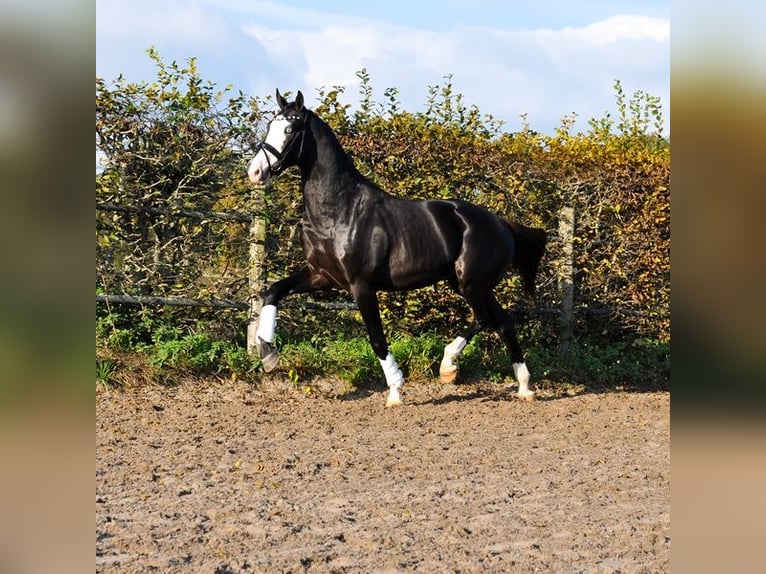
(448, 369)
(483, 319)
(506, 328)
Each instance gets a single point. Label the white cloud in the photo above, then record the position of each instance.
(178, 22)
(179, 29)
(325, 57)
(545, 73)
(612, 30)
(334, 53)
(259, 45)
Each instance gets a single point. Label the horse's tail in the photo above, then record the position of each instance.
(530, 247)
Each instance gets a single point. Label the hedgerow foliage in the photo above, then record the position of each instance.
(169, 147)
(616, 176)
(178, 143)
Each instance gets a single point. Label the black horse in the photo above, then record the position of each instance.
(358, 238)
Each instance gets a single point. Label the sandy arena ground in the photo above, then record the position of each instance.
(229, 478)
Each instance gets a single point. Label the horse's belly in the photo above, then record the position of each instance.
(414, 277)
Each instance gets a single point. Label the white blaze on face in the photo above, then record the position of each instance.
(258, 170)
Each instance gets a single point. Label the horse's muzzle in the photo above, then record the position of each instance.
(259, 170)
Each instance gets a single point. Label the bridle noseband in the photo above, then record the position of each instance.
(281, 156)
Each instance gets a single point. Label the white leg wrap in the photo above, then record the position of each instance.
(521, 374)
(267, 322)
(451, 352)
(394, 376)
(394, 379)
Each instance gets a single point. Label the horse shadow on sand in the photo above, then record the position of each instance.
(488, 386)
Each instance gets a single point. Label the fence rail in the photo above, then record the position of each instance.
(174, 301)
(201, 214)
(564, 274)
(310, 304)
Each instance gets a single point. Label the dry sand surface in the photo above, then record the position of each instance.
(226, 478)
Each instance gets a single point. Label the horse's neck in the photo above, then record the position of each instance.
(330, 181)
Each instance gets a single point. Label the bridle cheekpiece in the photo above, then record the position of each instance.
(281, 156)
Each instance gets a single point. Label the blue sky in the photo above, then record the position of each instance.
(546, 59)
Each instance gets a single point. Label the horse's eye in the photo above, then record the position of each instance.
(289, 129)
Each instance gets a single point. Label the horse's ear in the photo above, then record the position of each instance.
(281, 102)
(299, 101)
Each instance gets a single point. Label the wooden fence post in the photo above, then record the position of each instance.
(257, 274)
(566, 278)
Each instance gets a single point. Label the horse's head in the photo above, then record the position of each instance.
(284, 141)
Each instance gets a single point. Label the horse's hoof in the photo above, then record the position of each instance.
(269, 356)
(448, 377)
(394, 399)
(270, 361)
(528, 396)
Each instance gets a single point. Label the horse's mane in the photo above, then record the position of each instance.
(319, 127)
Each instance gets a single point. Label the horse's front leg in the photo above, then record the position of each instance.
(367, 301)
(302, 281)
